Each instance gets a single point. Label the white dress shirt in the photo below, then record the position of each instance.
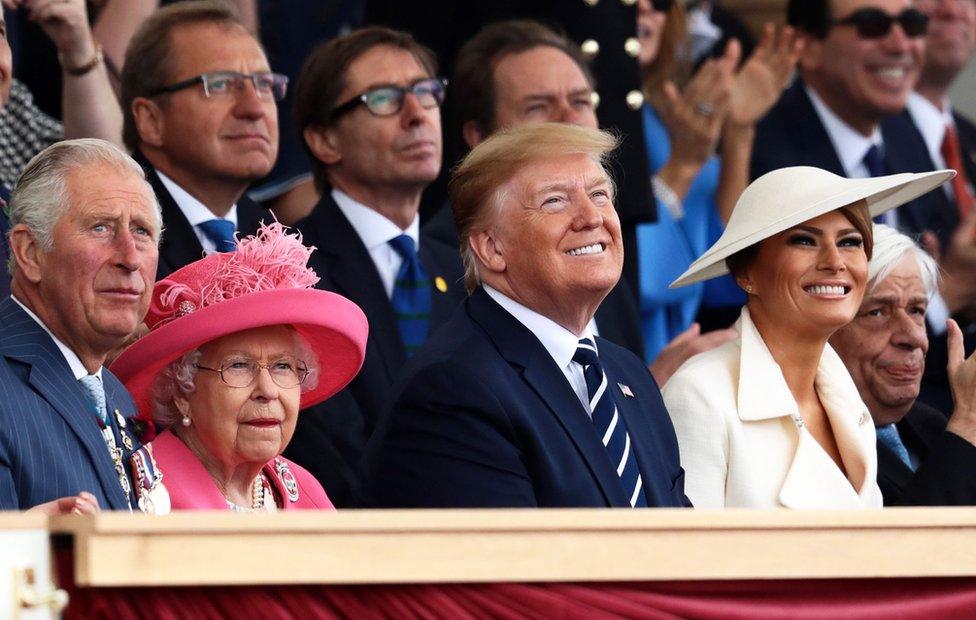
(375, 231)
(556, 339)
(74, 362)
(195, 211)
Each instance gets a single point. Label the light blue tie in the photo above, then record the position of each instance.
(96, 395)
(220, 232)
(888, 435)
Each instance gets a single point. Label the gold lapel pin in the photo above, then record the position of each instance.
(441, 284)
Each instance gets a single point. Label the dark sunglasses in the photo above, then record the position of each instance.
(388, 100)
(662, 5)
(874, 23)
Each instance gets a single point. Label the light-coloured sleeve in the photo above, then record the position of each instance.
(693, 401)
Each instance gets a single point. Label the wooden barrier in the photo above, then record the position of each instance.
(486, 546)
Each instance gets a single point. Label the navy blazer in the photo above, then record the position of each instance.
(483, 417)
(180, 245)
(791, 134)
(51, 445)
(330, 437)
(946, 464)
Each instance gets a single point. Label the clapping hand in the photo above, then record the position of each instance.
(65, 22)
(760, 82)
(962, 382)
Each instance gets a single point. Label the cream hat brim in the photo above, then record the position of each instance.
(783, 198)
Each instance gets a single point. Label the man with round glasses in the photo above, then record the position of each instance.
(860, 61)
(200, 113)
(368, 104)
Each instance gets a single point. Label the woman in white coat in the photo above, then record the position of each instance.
(773, 418)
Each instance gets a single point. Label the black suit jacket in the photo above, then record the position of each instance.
(483, 417)
(331, 437)
(946, 475)
(617, 318)
(180, 245)
(791, 134)
(967, 143)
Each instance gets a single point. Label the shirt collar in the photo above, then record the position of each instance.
(374, 229)
(556, 339)
(850, 144)
(195, 211)
(74, 362)
(930, 120)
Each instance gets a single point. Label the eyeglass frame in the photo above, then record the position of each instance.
(204, 78)
(852, 20)
(302, 368)
(360, 99)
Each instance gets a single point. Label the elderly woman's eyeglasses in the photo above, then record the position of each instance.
(266, 85)
(388, 100)
(241, 372)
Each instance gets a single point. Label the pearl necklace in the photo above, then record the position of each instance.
(259, 498)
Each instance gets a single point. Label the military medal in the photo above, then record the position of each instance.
(152, 496)
(287, 479)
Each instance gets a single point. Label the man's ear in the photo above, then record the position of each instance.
(149, 121)
(27, 253)
(811, 57)
(323, 144)
(489, 250)
(472, 134)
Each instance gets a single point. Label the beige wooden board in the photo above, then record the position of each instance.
(426, 546)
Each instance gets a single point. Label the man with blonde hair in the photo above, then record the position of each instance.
(514, 402)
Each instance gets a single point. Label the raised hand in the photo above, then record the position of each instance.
(760, 82)
(66, 22)
(962, 382)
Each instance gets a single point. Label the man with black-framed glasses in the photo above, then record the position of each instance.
(200, 104)
(369, 108)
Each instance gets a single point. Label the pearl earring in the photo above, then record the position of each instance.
(185, 421)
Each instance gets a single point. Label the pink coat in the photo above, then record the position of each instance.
(191, 487)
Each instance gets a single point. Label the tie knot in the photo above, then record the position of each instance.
(586, 353)
(404, 246)
(874, 161)
(220, 232)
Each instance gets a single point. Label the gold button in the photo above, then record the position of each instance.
(632, 46)
(628, 2)
(595, 98)
(591, 2)
(590, 47)
(635, 99)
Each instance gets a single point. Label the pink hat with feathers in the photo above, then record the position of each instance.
(266, 281)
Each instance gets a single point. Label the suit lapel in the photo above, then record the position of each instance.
(443, 266)
(524, 351)
(349, 271)
(817, 147)
(52, 379)
(180, 245)
(250, 216)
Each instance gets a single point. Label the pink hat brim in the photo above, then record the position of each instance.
(334, 327)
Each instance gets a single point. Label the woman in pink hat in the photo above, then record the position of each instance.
(238, 343)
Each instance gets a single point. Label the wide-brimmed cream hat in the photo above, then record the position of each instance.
(783, 198)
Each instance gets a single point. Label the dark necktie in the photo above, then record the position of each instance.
(411, 296)
(220, 232)
(877, 167)
(609, 424)
(953, 159)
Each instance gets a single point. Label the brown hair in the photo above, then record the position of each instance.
(668, 65)
(473, 86)
(476, 182)
(856, 212)
(149, 57)
(323, 78)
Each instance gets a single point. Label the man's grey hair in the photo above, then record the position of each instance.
(178, 380)
(41, 196)
(890, 246)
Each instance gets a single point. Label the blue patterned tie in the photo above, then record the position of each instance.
(888, 435)
(95, 392)
(411, 296)
(220, 232)
(609, 424)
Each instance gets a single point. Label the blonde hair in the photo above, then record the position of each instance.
(476, 183)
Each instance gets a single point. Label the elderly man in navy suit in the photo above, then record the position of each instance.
(514, 402)
(83, 242)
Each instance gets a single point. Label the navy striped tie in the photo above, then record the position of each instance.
(220, 232)
(411, 296)
(609, 424)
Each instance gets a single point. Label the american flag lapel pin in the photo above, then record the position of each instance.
(625, 389)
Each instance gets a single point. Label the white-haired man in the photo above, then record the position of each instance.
(84, 232)
(922, 460)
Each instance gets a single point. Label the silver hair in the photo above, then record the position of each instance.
(41, 196)
(890, 246)
(178, 380)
